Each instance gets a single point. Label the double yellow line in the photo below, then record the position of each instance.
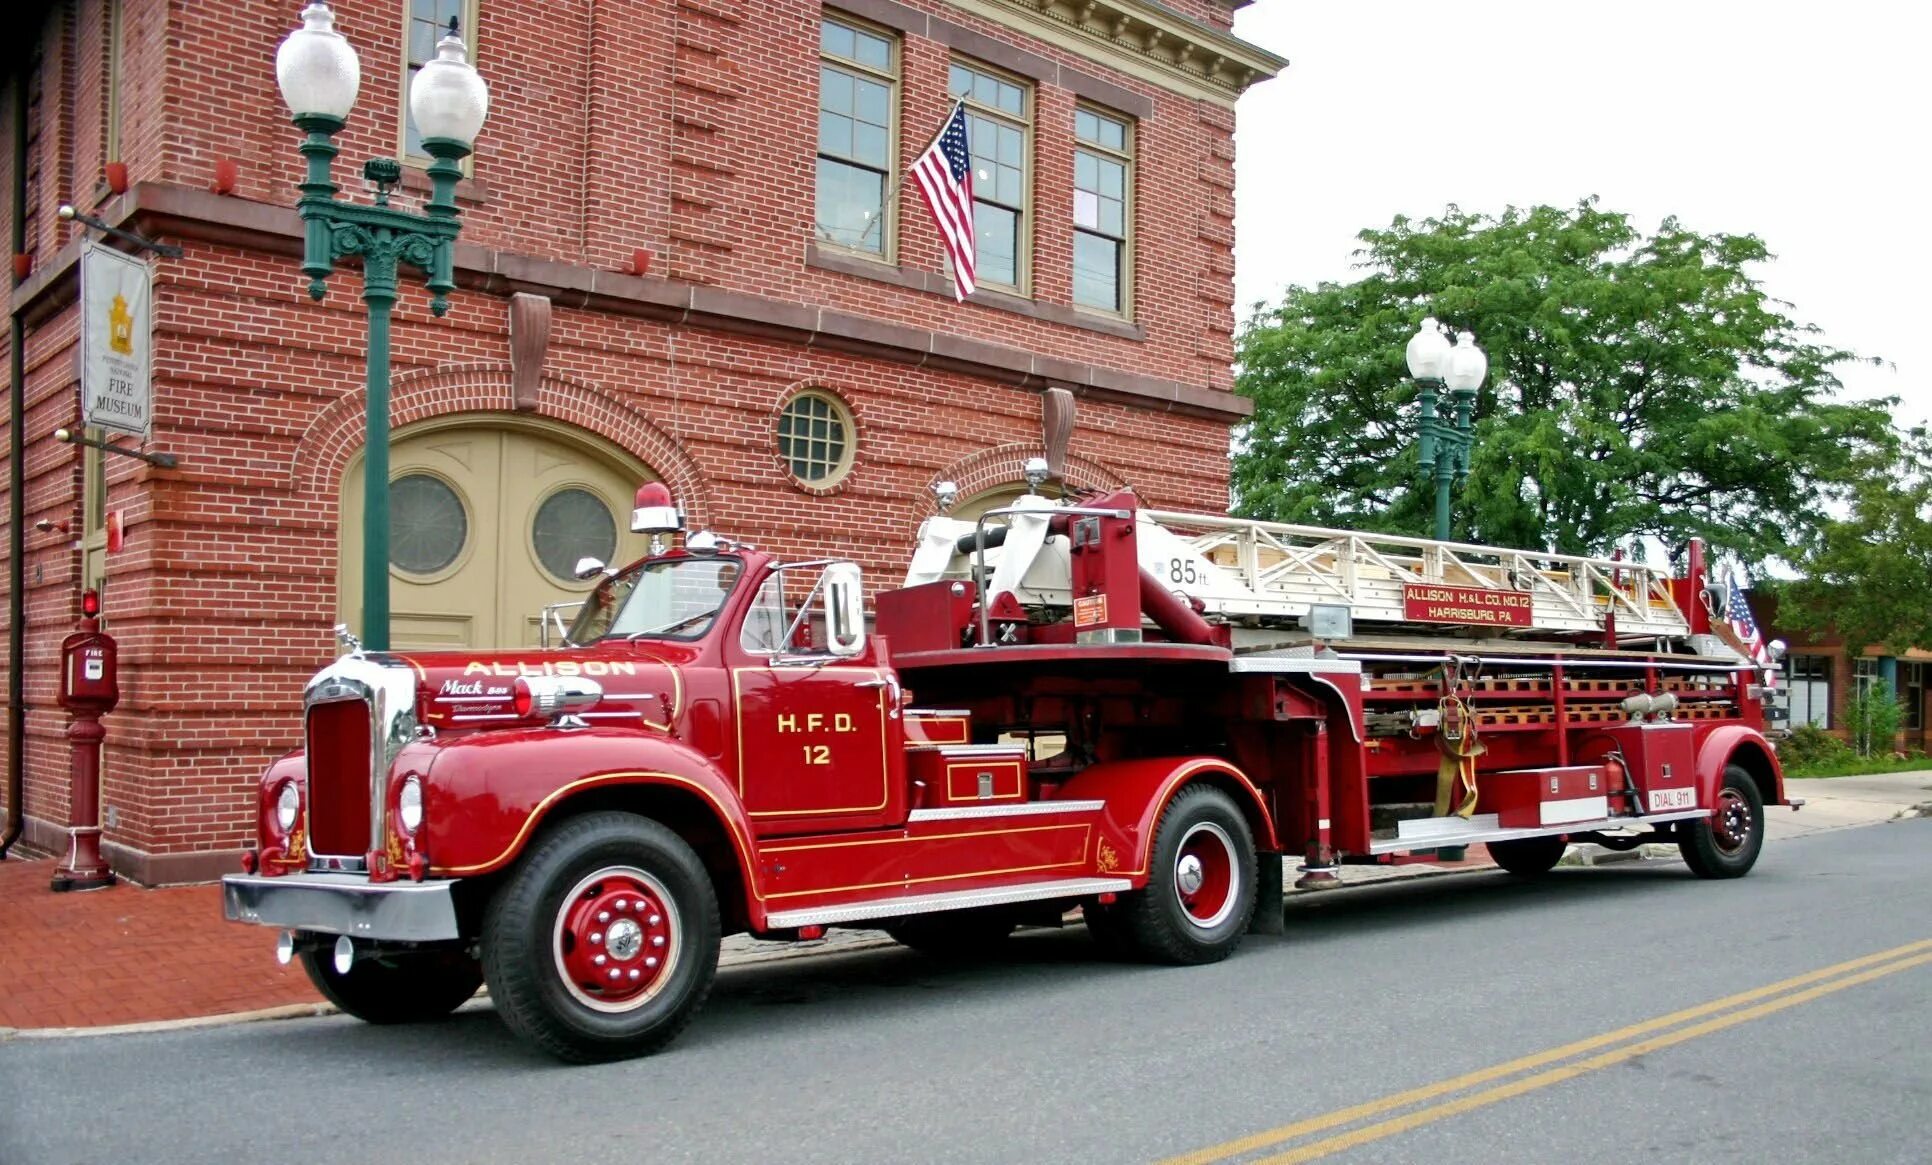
(1625, 1043)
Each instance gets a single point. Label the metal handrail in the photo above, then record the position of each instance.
(979, 551)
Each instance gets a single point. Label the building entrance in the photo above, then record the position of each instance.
(486, 522)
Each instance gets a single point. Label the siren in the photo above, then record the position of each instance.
(656, 511)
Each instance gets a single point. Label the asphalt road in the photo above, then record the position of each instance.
(1464, 992)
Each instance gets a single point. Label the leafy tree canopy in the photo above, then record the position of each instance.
(1638, 386)
(1869, 575)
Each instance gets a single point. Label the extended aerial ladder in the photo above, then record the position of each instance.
(1269, 580)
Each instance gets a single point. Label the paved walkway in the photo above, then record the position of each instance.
(125, 955)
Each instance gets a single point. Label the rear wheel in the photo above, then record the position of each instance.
(403, 988)
(957, 934)
(1201, 882)
(1726, 844)
(604, 942)
(1528, 856)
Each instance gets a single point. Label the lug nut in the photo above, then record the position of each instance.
(603, 916)
(657, 940)
(620, 904)
(650, 962)
(615, 973)
(599, 960)
(655, 920)
(635, 973)
(596, 937)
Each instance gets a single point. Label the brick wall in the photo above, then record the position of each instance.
(684, 127)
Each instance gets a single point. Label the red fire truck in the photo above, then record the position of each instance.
(1074, 703)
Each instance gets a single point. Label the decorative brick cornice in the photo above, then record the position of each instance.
(1151, 35)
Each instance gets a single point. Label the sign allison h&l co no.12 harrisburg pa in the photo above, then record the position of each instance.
(1433, 603)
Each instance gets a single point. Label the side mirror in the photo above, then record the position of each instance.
(588, 568)
(844, 609)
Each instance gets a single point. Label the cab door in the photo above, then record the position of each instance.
(821, 745)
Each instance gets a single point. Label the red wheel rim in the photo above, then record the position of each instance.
(1205, 880)
(616, 939)
(1731, 821)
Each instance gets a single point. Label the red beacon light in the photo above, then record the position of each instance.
(656, 513)
(91, 603)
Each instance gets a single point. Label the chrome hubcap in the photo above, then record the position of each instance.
(1189, 875)
(626, 939)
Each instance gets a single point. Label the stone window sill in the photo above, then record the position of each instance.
(935, 284)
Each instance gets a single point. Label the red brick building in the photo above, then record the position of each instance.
(688, 253)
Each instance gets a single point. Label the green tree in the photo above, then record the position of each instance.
(1638, 386)
(1868, 574)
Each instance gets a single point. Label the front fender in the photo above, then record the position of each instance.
(1737, 744)
(486, 794)
(1136, 793)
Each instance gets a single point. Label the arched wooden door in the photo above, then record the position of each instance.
(486, 521)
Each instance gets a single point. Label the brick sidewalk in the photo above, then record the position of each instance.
(128, 955)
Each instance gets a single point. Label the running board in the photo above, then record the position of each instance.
(952, 900)
(1395, 845)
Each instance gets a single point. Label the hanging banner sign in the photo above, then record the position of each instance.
(1428, 603)
(116, 291)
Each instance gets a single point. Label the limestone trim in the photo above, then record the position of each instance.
(169, 210)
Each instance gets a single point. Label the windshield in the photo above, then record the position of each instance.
(674, 598)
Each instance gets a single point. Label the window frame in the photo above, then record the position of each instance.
(1029, 149)
(1913, 679)
(836, 477)
(888, 252)
(422, 161)
(1125, 155)
(1813, 675)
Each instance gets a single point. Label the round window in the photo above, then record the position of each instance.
(572, 524)
(815, 439)
(427, 524)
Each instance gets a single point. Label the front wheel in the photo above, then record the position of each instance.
(403, 988)
(604, 942)
(1726, 844)
(1200, 884)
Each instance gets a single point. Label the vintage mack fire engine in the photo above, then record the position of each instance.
(1076, 703)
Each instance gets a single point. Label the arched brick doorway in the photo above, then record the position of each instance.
(489, 512)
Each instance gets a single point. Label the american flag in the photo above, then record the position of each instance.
(945, 176)
(1737, 612)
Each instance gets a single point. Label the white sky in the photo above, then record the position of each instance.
(1806, 125)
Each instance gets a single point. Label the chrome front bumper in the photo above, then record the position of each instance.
(344, 904)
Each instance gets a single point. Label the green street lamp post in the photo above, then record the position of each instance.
(319, 74)
(1445, 418)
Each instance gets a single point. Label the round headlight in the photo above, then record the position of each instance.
(409, 804)
(287, 805)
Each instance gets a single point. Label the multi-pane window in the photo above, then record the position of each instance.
(424, 23)
(1101, 169)
(815, 439)
(1809, 678)
(998, 117)
(856, 79)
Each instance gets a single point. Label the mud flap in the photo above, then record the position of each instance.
(1268, 905)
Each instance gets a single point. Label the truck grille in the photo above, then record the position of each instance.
(339, 751)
